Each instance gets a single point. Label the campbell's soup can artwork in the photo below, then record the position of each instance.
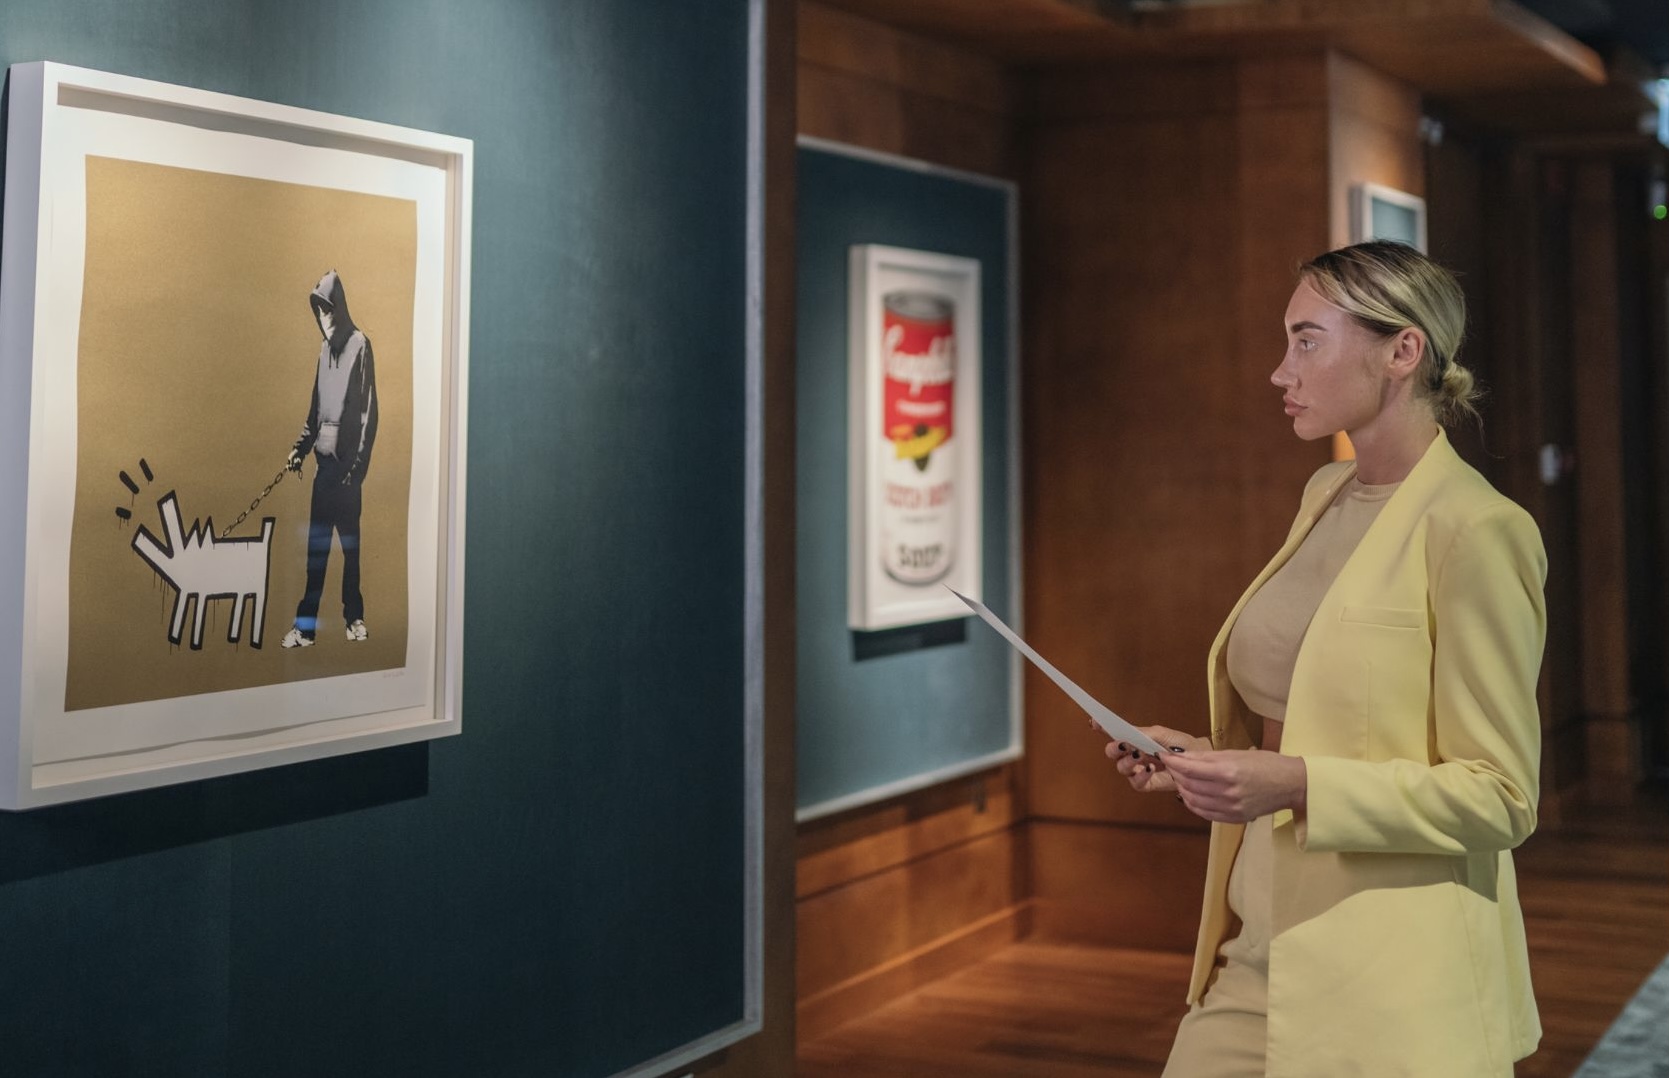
(918, 473)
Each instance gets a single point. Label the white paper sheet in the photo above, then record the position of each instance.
(1117, 728)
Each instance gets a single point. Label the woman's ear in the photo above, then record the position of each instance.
(1408, 348)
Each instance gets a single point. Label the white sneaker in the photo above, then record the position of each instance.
(295, 638)
(357, 630)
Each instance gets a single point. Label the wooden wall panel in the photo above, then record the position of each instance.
(867, 84)
(871, 841)
(1596, 389)
(1501, 214)
(873, 937)
(894, 894)
(1160, 473)
(1169, 209)
(1374, 136)
(1116, 886)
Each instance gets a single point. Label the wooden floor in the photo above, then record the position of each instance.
(1596, 903)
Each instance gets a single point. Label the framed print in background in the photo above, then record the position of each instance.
(1385, 213)
(914, 484)
(233, 355)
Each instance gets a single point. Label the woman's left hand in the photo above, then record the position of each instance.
(1237, 785)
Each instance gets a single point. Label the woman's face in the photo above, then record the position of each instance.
(1333, 372)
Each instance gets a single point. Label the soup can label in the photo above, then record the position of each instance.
(918, 473)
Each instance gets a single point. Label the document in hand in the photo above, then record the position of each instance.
(1104, 717)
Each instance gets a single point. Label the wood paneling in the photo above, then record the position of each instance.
(1374, 136)
(1116, 886)
(1446, 47)
(863, 843)
(1013, 29)
(1500, 216)
(897, 893)
(1159, 471)
(1595, 391)
(870, 85)
(865, 940)
(1615, 106)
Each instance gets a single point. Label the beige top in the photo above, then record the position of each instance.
(1263, 645)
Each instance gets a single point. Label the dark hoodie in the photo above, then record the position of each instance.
(341, 424)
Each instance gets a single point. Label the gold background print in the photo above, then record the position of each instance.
(197, 354)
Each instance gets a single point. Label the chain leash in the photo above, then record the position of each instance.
(259, 498)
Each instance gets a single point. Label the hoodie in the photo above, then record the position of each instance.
(341, 425)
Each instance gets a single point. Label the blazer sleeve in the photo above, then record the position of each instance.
(1490, 625)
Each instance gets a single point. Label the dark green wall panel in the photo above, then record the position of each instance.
(559, 890)
(867, 721)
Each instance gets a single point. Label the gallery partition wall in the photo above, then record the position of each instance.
(571, 885)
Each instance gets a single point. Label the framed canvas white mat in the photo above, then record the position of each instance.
(915, 439)
(233, 395)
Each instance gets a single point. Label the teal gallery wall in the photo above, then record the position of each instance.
(880, 711)
(558, 891)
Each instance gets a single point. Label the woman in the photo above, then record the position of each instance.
(1374, 735)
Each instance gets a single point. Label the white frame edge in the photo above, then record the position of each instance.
(1016, 618)
(35, 89)
(866, 613)
(1362, 198)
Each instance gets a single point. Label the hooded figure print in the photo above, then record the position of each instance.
(340, 430)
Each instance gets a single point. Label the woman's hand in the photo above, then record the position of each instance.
(1238, 785)
(1145, 771)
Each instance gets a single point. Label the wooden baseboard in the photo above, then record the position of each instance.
(1116, 886)
(879, 986)
(1093, 924)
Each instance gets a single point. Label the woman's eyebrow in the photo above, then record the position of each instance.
(1299, 327)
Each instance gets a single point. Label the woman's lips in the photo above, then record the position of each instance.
(1293, 407)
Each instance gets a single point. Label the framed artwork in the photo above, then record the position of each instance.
(1384, 213)
(233, 389)
(915, 448)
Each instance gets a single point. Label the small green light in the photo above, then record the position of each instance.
(1660, 212)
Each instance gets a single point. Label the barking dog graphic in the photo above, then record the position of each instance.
(200, 567)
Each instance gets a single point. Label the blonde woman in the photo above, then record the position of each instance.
(1374, 739)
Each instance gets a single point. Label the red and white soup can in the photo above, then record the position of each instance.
(918, 471)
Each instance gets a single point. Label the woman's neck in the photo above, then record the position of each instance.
(1388, 448)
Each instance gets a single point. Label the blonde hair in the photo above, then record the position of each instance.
(1388, 287)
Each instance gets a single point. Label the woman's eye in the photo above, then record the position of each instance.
(1305, 344)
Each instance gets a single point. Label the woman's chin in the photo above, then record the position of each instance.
(1307, 431)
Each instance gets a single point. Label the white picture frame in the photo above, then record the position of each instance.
(65, 125)
(897, 502)
(1379, 212)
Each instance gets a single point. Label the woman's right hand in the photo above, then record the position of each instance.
(1145, 772)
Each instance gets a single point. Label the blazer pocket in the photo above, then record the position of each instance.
(1389, 617)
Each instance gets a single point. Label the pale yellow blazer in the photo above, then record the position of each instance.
(1398, 943)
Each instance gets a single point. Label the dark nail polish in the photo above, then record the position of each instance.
(1176, 748)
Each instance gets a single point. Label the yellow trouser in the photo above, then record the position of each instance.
(1223, 1035)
